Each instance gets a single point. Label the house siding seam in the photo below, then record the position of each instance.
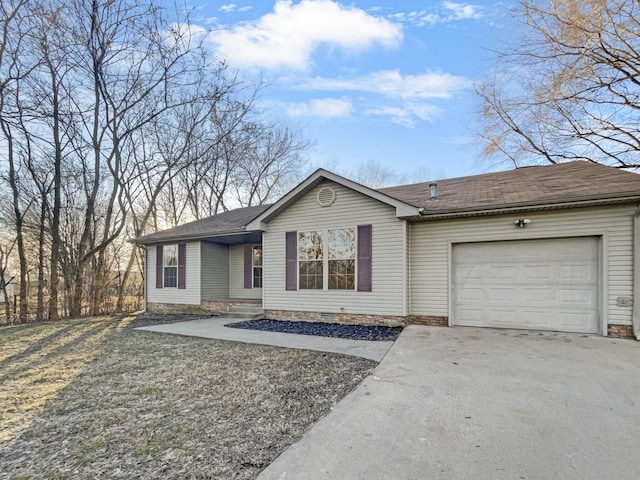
(431, 246)
(350, 209)
(236, 276)
(215, 271)
(191, 294)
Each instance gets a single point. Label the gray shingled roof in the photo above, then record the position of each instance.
(526, 186)
(565, 183)
(226, 223)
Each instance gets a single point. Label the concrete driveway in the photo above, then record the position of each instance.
(466, 403)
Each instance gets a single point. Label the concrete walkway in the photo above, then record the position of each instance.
(214, 328)
(464, 403)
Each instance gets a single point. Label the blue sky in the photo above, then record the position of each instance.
(390, 81)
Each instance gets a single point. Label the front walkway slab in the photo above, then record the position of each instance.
(215, 328)
(481, 404)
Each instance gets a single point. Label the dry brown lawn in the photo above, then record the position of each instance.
(94, 398)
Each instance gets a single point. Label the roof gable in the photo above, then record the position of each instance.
(403, 209)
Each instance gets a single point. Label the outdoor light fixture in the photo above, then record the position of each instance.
(522, 222)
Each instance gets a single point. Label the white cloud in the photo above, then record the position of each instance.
(229, 7)
(450, 12)
(407, 114)
(322, 107)
(392, 83)
(463, 11)
(288, 37)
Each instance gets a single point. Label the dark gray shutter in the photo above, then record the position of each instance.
(291, 254)
(182, 265)
(364, 258)
(248, 266)
(159, 265)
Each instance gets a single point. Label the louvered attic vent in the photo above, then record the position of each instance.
(326, 196)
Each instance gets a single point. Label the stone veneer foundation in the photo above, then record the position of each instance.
(207, 306)
(620, 331)
(357, 318)
(431, 320)
(343, 318)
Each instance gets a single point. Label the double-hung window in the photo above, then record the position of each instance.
(326, 259)
(170, 265)
(256, 261)
(311, 259)
(341, 249)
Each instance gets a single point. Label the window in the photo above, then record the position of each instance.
(256, 262)
(342, 259)
(170, 265)
(326, 259)
(311, 260)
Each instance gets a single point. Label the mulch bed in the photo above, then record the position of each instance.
(94, 398)
(352, 332)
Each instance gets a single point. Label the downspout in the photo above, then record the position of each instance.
(636, 274)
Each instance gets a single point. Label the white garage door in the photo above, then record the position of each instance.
(537, 284)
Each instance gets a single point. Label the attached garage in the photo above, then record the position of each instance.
(550, 284)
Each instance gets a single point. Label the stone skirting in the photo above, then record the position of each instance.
(431, 320)
(342, 318)
(223, 306)
(173, 308)
(620, 331)
(207, 306)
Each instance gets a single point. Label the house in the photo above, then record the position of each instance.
(545, 247)
(9, 287)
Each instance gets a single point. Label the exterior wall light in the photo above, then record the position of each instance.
(522, 222)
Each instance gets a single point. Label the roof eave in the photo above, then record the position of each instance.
(193, 236)
(529, 207)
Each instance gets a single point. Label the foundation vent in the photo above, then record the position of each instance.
(326, 196)
(327, 315)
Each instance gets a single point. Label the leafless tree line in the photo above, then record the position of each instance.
(116, 122)
(570, 87)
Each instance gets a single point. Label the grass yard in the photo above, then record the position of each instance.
(94, 398)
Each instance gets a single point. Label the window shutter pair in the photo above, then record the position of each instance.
(363, 258)
(182, 266)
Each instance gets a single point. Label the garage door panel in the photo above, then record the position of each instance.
(502, 274)
(471, 295)
(535, 295)
(543, 284)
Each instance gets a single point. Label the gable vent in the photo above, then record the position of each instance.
(326, 196)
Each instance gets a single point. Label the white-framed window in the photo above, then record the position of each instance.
(170, 265)
(256, 263)
(327, 259)
(341, 258)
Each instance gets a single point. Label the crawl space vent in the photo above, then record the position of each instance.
(326, 197)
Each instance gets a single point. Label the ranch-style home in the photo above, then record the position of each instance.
(545, 248)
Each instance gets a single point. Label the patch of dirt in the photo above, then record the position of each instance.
(94, 398)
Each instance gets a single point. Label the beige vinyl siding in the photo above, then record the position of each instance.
(431, 246)
(350, 209)
(215, 271)
(236, 276)
(189, 295)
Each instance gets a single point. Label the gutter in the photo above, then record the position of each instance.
(456, 213)
(193, 236)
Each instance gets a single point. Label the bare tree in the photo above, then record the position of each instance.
(5, 279)
(570, 88)
(106, 110)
